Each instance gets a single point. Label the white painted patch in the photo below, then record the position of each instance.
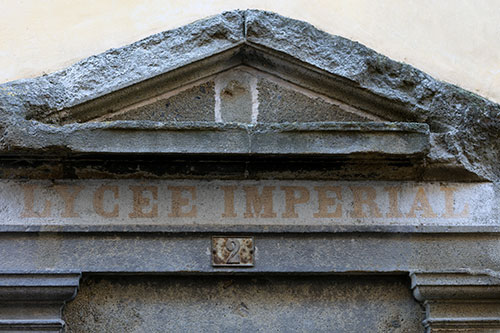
(255, 99)
(217, 110)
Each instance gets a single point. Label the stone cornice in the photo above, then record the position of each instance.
(33, 302)
(390, 139)
(454, 285)
(458, 300)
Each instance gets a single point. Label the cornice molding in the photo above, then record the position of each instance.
(34, 302)
(456, 301)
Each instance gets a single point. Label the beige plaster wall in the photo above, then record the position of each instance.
(454, 40)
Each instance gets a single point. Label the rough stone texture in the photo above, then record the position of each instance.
(467, 124)
(471, 123)
(194, 104)
(278, 104)
(121, 67)
(258, 304)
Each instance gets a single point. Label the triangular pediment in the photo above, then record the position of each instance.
(237, 75)
(245, 84)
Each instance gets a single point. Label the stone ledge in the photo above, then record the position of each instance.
(473, 324)
(455, 285)
(253, 229)
(28, 325)
(288, 139)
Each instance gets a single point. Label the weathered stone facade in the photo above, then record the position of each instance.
(334, 160)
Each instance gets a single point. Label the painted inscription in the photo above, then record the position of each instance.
(246, 202)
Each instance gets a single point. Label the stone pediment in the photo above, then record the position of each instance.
(228, 77)
(250, 83)
(244, 85)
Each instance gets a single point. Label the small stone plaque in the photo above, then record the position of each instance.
(232, 251)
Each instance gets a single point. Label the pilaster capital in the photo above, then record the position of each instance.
(33, 302)
(458, 300)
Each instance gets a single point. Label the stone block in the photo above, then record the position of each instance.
(280, 104)
(190, 104)
(256, 304)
